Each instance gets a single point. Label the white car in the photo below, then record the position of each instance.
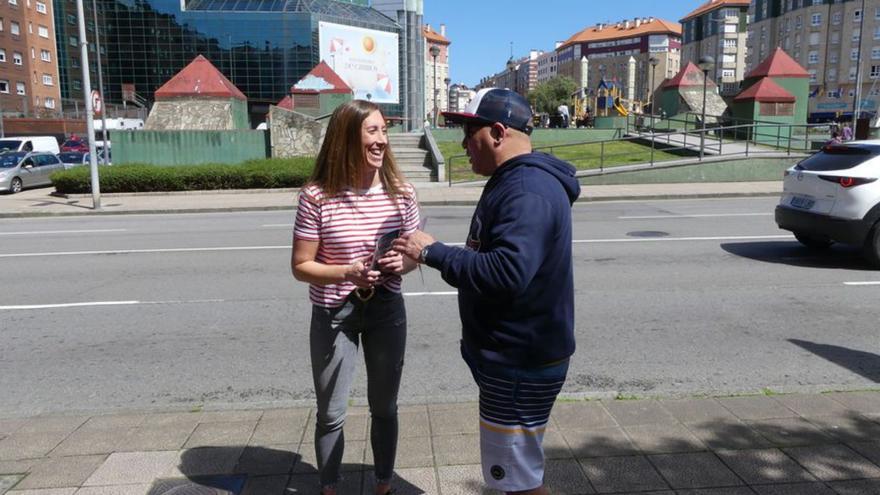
(834, 196)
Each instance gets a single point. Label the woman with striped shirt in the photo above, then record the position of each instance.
(356, 194)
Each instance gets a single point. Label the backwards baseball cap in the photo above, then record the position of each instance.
(492, 105)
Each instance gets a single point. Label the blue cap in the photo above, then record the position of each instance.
(492, 105)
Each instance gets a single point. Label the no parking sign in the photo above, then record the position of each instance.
(97, 104)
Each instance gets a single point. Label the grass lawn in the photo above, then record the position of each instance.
(583, 156)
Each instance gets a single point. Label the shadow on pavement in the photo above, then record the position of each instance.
(866, 364)
(255, 470)
(792, 253)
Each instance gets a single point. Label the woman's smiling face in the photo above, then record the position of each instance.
(374, 138)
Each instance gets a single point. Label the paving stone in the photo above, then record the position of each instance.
(463, 480)
(355, 428)
(564, 476)
(309, 484)
(141, 489)
(694, 470)
(167, 419)
(412, 452)
(599, 442)
(57, 424)
(794, 489)
(870, 450)
(16, 467)
(268, 460)
(555, 446)
(61, 472)
(133, 467)
(409, 481)
(860, 487)
(10, 426)
(738, 490)
(29, 445)
(7, 481)
(863, 402)
(663, 439)
(847, 427)
(790, 432)
(697, 410)
(266, 485)
(352, 457)
(205, 461)
(639, 412)
(727, 435)
(85, 442)
(170, 436)
(834, 462)
(114, 421)
(230, 416)
(221, 434)
(756, 407)
(812, 405)
(278, 431)
(297, 415)
(457, 449)
(45, 491)
(414, 423)
(764, 466)
(581, 416)
(454, 421)
(622, 474)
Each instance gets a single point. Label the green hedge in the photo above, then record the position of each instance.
(254, 174)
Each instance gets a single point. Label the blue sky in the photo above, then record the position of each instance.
(481, 30)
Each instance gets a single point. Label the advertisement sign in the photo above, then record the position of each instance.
(364, 58)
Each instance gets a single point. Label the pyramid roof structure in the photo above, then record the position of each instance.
(765, 90)
(689, 75)
(778, 64)
(199, 78)
(321, 79)
(285, 103)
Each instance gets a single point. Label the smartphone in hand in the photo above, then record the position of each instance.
(383, 244)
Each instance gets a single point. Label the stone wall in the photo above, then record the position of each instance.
(206, 114)
(295, 134)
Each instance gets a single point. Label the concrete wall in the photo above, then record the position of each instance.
(295, 134)
(750, 168)
(542, 136)
(188, 147)
(205, 114)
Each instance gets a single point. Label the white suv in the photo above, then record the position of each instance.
(834, 196)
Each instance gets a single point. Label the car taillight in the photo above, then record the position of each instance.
(847, 182)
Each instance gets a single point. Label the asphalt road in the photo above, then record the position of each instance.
(674, 297)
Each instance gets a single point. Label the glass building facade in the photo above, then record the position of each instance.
(262, 46)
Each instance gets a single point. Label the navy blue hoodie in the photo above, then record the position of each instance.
(514, 277)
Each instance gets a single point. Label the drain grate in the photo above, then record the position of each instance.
(647, 233)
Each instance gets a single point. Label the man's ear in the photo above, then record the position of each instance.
(499, 132)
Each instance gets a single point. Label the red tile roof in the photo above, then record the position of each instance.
(619, 31)
(286, 102)
(321, 79)
(434, 37)
(778, 64)
(715, 5)
(689, 75)
(767, 91)
(199, 78)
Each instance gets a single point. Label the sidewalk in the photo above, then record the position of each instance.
(785, 444)
(39, 202)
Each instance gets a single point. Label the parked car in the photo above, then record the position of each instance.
(72, 159)
(75, 144)
(834, 196)
(29, 143)
(20, 169)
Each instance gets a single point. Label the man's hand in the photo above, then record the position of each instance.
(359, 274)
(412, 244)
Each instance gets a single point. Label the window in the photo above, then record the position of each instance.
(832, 58)
(73, 40)
(2, 55)
(77, 84)
(1, 24)
(875, 71)
(814, 39)
(877, 33)
(831, 93)
(49, 102)
(74, 62)
(852, 73)
(45, 56)
(831, 74)
(730, 43)
(17, 58)
(835, 18)
(13, 2)
(877, 13)
(817, 2)
(812, 75)
(835, 37)
(813, 57)
(857, 33)
(47, 80)
(773, 109)
(857, 15)
(15, 28)
(19, 88)
(798, 22)
(4, 86)
(816, 19)
(41, 7)
(875, 53)
(33, 53)
(71, 19)
(728, 73)
(30, 28)
(43, 31)
(854, 54)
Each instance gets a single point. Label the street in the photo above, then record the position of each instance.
(674, 297)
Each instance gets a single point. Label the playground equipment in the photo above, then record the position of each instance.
(609, 102)
(582, 112)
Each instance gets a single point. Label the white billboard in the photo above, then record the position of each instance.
(364, 58)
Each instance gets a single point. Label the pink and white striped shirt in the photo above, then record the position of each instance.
(347, 225)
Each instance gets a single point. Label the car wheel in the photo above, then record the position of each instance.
(15, 185)
(813, 242)
(871, 248)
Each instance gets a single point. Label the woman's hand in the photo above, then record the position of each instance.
(391, 262)
(359, 274)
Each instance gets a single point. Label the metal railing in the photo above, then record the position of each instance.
(681, 141)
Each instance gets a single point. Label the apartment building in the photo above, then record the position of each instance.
(830, 39)
(520, 74)
(436, 69)
(608, 48)
(28, 66)
(718, 29)
(546, 65)
(459, 96)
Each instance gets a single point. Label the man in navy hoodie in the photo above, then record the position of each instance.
(515, 285)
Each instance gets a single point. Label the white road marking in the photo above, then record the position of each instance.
(862, 283)
(699, 215)
(277, 225)
(420, 294)
(38, 232)
(143, 251)
(70, 305)
(663, 239)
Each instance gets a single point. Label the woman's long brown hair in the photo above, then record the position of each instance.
(340, 162)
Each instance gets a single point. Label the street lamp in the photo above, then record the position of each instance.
(653, 61)
(706, 63)
(511, 67)
(435, 50)
(447, 81)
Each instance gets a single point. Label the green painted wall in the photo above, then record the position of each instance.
(540, 135)
(170, 148)
(329, 101)
(240, 118)
(609, 122)
(740, 170)
(800, 88)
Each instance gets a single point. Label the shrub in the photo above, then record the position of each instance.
(253, 174)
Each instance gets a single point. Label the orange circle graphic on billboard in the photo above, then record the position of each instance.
(369, 44)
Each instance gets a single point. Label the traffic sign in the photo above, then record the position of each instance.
(97, 104)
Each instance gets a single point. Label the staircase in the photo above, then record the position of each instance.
(413, 161)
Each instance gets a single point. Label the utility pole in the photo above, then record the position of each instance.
(857, 104)
(101, 85)
(87, 91)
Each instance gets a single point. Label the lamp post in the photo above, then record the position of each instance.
(447, 81)
(435, 50)
(653, 61)
(511, 67)
(706, 63)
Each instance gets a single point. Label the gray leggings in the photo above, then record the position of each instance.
(381, 323)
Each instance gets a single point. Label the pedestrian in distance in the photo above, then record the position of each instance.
(835, 138)
(847, 133)
(355, 196)
(515, 285)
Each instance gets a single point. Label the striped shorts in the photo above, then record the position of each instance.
(515, 406)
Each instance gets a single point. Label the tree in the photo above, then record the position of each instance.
(547, 96)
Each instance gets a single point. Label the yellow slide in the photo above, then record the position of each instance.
(622, 111)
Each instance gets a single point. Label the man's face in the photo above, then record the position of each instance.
(480, 147)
